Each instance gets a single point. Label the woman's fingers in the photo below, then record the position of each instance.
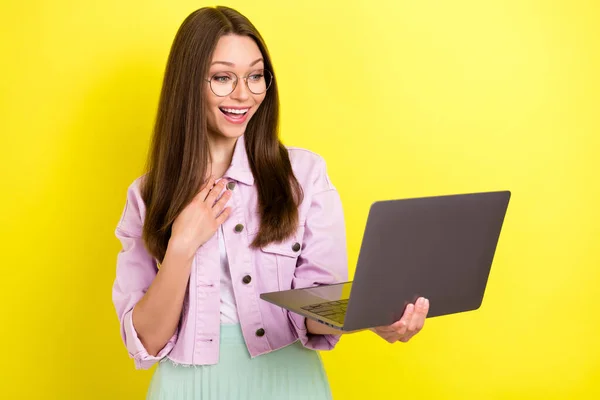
(220, 205)
(422, 312)
(417, 319)
(406, 318)
(224, 215)
(201, 196)
(411, 323)
(214, 192)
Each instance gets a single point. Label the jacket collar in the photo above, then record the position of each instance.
(239, 169)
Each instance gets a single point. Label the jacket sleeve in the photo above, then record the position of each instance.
(324, 255)
(136, 269)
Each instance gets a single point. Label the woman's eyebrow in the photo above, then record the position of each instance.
(230, 64)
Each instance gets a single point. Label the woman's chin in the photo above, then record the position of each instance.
(230, 133)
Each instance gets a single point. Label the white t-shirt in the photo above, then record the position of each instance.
(228, 305)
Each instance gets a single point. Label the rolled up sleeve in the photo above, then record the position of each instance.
(324, 255)
(137, 351)
(136, 269)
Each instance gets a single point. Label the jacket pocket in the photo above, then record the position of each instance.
(284, 257)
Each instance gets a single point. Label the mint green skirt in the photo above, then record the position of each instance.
(292, 372)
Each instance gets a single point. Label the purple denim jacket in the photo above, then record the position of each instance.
(321, 259)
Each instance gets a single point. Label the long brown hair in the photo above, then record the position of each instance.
(178, 157)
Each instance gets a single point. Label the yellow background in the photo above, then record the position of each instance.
(402, 98)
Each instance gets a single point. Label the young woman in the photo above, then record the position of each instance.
(226, 212)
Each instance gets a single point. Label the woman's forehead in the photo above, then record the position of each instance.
(236, 50)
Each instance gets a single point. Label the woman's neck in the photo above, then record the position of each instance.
(221, 152)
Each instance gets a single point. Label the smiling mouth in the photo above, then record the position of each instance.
(235, 116)
(234, 112)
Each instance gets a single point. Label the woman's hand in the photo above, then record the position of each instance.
(200, 219)
(410, 324)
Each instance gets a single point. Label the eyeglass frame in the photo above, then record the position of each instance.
(237, 79)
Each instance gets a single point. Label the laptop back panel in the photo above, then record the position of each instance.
(437, 247)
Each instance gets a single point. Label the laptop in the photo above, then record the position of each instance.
(439, 247)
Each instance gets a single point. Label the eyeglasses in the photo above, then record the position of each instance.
(224, 83)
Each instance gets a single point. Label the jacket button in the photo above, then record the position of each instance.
(260, 332)
(230, 185)
(296, 246)
(247, 279)
(239, 227)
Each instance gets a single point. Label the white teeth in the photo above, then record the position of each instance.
(234, 111)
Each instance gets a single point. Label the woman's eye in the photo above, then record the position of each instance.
(221, 78)
(256, 77)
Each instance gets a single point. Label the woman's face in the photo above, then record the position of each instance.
(228, 114)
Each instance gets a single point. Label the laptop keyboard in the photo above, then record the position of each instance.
(333, 310)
